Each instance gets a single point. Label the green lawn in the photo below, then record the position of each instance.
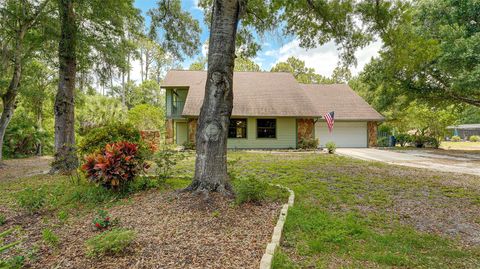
(347, 213)
(460, 145)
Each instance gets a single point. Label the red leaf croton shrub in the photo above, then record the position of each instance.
(115, 165)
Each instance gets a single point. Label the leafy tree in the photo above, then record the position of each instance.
(245, 64)
(199, 64)
(428, 121)
(146, 117)
(241, 64)
(96, 111)
(314, 22)
(36, 97)
(107, 21)
(147, 92)
(302, 73)
(432, 54)
(470, 114)
(177, 32)
(20, 24)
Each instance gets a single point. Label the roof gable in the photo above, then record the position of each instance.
(346, 103)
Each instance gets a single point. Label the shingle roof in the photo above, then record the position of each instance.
(346, 103)
(274, 94)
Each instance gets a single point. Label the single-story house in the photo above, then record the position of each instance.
(464, 131)
(271, 110)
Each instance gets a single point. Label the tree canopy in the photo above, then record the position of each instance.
(432, 54)
(302, 73)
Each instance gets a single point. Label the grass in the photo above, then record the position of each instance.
(460, 145)
(346, 212)
(50, 237)
(343, 214)
(55, 193)
(109, 242)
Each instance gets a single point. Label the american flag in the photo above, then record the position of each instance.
(329, 117)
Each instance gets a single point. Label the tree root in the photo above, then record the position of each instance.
(204, 188)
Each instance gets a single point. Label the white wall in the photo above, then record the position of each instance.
(345, 134)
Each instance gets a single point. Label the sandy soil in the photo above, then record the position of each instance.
(17, 168)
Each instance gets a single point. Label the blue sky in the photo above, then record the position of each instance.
(276, 47)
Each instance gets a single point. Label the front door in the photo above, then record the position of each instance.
(181, 133)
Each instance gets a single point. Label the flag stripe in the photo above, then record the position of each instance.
(329, 118)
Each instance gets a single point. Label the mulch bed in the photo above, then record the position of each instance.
(173, 231)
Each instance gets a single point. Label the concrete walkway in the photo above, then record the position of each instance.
(430, 161)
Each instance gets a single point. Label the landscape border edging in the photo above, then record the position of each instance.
(266, 261)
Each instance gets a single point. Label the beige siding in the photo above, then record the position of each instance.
(286, 136)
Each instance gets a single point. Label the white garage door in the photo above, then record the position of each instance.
(345, 134)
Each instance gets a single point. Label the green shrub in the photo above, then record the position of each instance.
(142, 183)
(419, 140)
(146, 117)
(423, 140)
(109, 242)
(2, 219)
(250, 190)
(23, 139)
(31, 200)
(98, 138)
(102, 220)
(308, 143)
(456, 138)
(382, 142)
(474, 138)
(50, 237)
(165, 160)
(403, 139)
(188, 145)
(432, 142)
(115, 166)
(331, 147)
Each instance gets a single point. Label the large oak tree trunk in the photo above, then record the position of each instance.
(65, 156)
(211, 135)
(9, 97)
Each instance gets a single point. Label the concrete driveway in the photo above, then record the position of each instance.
(417, 158)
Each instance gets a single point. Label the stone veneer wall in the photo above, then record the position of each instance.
(169, 131)
(372, 133)
(305, 129)
(192, 130)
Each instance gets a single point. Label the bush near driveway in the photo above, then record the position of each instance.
(474, 138)
(456, 138)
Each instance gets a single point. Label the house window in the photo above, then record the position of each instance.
(237, 128)
(266, 128)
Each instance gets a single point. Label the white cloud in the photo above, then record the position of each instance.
(323, 59)
(135, 73)
(205, 49)
(195, 5)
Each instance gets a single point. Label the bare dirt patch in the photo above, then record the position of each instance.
(173, 231)
(19, 168)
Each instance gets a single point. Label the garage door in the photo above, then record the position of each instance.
(345, 134)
